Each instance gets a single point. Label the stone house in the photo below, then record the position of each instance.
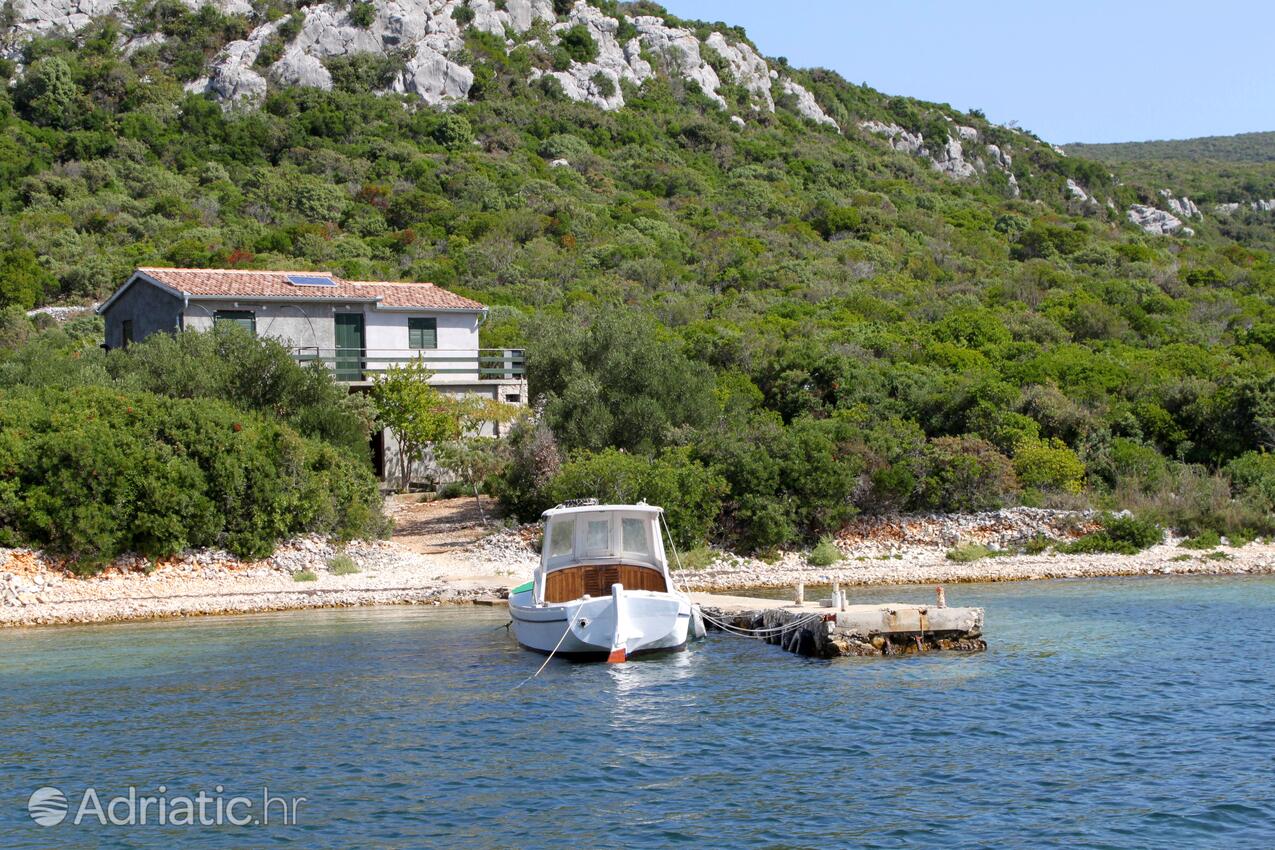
(355, 328)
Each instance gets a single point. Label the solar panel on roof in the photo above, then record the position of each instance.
(310, 280)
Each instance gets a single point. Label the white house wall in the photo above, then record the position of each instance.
(310, 326)
(294, 325)
(386, 335)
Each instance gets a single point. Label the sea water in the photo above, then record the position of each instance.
(1105, 713)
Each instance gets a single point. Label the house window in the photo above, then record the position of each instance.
(245, 319)
(126, 331)
(422, 333)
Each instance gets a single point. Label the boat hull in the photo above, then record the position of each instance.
(616, 627)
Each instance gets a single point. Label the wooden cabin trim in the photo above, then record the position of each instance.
(570, 583)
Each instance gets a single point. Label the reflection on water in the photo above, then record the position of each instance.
(1105, 713)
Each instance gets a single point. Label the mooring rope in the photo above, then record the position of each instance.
(760, 634)
(565, 632)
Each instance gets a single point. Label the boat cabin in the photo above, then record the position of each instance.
(588, 548)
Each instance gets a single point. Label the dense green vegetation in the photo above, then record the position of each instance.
(1244, 147)
(131, 452)
(1212, 170)
(803, 324)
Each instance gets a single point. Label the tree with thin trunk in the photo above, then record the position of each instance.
(470, 456)
(417, 413)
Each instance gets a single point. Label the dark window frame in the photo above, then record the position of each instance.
(245, 319)
(421, 325)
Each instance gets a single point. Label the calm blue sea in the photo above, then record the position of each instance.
(1112, 713)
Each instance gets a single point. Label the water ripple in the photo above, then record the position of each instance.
(1106, 714)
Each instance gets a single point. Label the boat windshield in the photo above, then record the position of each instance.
(562, 534)
(612, 535)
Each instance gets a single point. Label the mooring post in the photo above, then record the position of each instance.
(843, 600)
(799, 596)
(942, 597)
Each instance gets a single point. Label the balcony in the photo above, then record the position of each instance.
(462, 366)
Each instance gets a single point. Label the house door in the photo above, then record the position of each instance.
(349, 346)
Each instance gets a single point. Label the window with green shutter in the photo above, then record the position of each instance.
(422, 333)
(246, 319)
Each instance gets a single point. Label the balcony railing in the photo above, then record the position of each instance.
(449, 366)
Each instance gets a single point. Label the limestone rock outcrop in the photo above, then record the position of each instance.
(1005, 163)
(949, 158)
(748, 68)
(1076, 191)
(1256, 206)
(1181, 207)
(614, 62)
(430, 36)
(679, 48)
(899, 138)
(806, 103)
(1156, 221)
(31, 18)
(434, 78)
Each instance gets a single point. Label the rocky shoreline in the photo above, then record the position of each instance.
(37, 590)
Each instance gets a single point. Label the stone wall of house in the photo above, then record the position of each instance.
(149, 308)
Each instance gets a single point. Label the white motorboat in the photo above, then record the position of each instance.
(603, 588)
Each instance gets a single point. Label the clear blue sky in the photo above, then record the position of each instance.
(1079, 71)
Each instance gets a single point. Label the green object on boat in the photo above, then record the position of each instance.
(522, 588)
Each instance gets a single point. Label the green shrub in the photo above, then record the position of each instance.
(342, 565)
(1037, 544)
(1123, 535)
(579, 44)
(1253, 476)
(453, 490)
(23, 281)
(257, 374)
(616, 379)
(604, 84)
(825, 554)
(698, 558)
(787, 483)
(565, 146)
(305, 575)
(1204, 540)
(964, 474)
(969, 553)
(690, 494)
(93, 473)
(362, 14)
(47, 93)
(453, 132)
(1049, 465)
(1240, 537)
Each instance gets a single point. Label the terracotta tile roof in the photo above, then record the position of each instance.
(274, 284)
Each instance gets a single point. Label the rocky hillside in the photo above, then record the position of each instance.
(737, 279)
(432, 50)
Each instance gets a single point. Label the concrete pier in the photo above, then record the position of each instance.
(813, 630)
